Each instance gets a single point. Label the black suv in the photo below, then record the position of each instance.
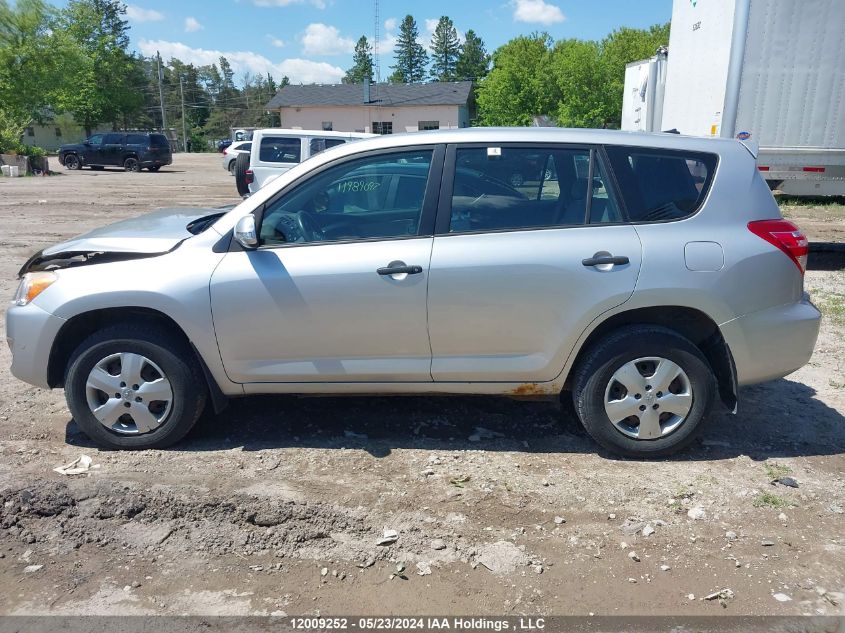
(132, 151)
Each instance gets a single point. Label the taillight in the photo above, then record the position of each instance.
(786, 236)
(226, 152)
(248, 176)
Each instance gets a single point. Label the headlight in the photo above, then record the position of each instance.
(32, 285)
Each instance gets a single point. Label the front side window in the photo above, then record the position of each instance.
(277, 149)
(97, 139)
(497, 188)
(368, 198)
(661, 185)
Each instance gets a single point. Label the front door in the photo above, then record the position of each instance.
(337, 290)
(93, 153)
(530, 248)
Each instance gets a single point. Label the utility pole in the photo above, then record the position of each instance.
(184, 128)
(161, 95)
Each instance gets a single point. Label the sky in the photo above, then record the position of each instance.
(311, 41)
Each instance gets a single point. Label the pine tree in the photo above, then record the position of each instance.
(411, 58)
(362, 63)
(473, 62)
(445, 49)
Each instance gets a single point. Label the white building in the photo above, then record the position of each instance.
(377, 108)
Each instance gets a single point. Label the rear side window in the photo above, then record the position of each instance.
(159, 140)
(276, 149)
(320, 144)
(661, 185)
(113, 139)
(136, 139)
(511, 188)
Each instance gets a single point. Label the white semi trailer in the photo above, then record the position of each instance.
(768, 71)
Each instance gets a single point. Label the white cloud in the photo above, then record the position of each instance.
(536, 11)
(192, 24)
(275, 41)
(390, 24)
(322, 39)
(320, 4)
(298, 70)
(139, 14)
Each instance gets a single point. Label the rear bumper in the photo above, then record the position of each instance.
(772, 343)
(152, 162)
(30, 332)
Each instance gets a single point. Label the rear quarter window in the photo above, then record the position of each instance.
(661, 185)
(275, 149)
(159, 140)
(136, 139)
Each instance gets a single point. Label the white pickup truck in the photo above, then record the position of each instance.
(275, 150)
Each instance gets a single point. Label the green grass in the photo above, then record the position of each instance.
(770, 500)
(801, 201)
(773, 471)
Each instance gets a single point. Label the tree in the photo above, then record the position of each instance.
(31, 60)
(98, 88)
(445, 50)
(411, 58)
(473, 62)
(362, 63)
(520, 84)
(580, 80)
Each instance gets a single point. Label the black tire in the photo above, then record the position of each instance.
(132, 164)
(595, 370)
(155, 168)
(177, 362)
(72, 162)
(231, 166)
(241, 165)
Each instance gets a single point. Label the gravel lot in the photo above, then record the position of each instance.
(278, 504)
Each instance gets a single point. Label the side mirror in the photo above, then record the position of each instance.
(245, 234)
(86, 142)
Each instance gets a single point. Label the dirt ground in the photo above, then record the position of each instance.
(278, 504)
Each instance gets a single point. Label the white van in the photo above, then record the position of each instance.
(275, 150)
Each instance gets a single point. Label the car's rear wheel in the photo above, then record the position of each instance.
(241, 167)
(132, 164)
(72, 162)
(133, 387)
(643, 391)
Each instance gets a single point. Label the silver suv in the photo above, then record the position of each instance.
(646, 275)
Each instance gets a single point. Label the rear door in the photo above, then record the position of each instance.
(531, 245)
(112, 149)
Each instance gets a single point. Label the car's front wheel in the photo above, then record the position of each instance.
(72, 162)
(643, 391)
(133, 387)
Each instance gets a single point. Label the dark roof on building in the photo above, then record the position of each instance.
(435, 93)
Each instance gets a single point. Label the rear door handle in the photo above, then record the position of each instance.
(399, 268)
(604, 260)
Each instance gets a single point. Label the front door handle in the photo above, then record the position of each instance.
(605, 260)
(399, 268)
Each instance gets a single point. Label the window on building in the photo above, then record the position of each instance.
(327, 126)
(58, 132)
(30, 131)
(382, 127)
(428, 125)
